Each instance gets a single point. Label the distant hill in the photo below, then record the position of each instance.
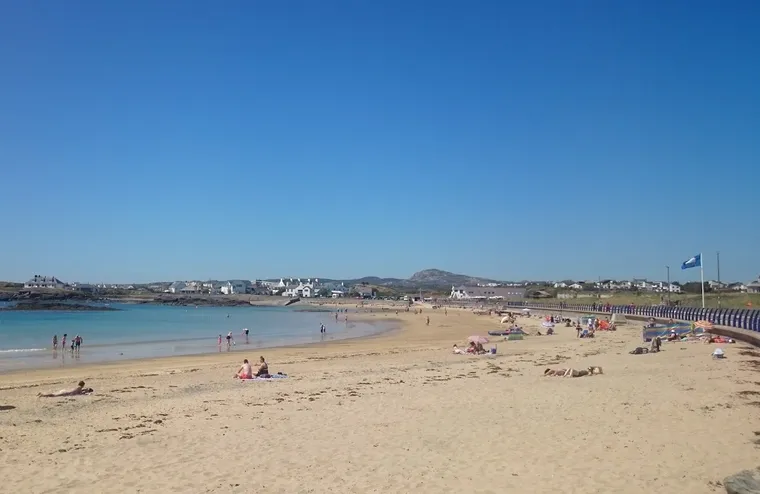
(436, 277)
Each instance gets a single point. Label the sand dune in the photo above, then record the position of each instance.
(394, 413)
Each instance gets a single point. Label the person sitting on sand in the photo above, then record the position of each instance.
(673, 336)
(472, 348)
(656, 342)
(263, 368)
(245, 371)
(457, 350)
(79, 390)
(479, 349)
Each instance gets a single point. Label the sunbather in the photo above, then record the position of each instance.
(571, 372)
(245, 371)
(79, 390)
(263, 368)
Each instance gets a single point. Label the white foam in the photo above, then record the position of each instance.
(19, 350)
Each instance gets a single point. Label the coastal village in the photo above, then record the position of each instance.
(314, 288)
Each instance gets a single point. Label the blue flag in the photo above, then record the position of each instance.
(694, 262)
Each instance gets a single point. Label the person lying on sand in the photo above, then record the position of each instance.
(79, 390)
(591, 371)
(458, 350)
(245, 371)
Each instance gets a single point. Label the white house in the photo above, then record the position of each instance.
(716, 285)
(300, 289)
(191, 288)
(337, 293)
(576, 286)
(176, 287)
(754, 286)
(364, 291)
(44, 282)
(739, 287)
(234, 287)
(560, 284)
(642, 284)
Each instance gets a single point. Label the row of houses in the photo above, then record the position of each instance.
(230, 287)
(655, 286)
(486, 292)
(291, 288)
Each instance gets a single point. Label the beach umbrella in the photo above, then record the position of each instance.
(478, 339)
(547, 324)
(704, 325)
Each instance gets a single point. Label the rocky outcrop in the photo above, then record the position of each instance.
(36, 305)
(744, 482)
(43, 296)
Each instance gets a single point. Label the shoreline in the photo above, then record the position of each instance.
(394, 325)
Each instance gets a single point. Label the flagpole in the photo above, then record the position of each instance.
(702, 278)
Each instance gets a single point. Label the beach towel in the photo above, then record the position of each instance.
(271, 377)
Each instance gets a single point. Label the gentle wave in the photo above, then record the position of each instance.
(19, 350)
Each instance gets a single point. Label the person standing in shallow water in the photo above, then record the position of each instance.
(55, 342)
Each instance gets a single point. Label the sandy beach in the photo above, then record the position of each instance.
(396, 412)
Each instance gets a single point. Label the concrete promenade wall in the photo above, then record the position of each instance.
(736, 318)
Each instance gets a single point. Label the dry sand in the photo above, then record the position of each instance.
(393, 413)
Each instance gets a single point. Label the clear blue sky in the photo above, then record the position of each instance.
(152, 140)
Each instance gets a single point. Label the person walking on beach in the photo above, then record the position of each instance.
(229, 341)
(322, 329)
(219, 342)
(245, 332)
(77, 343)
(55, 342)
(63, 342)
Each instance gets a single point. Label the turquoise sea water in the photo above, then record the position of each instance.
(139, 331)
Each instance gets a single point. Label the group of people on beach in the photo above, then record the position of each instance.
(246, 370)
(76, 343)
(231, 339)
